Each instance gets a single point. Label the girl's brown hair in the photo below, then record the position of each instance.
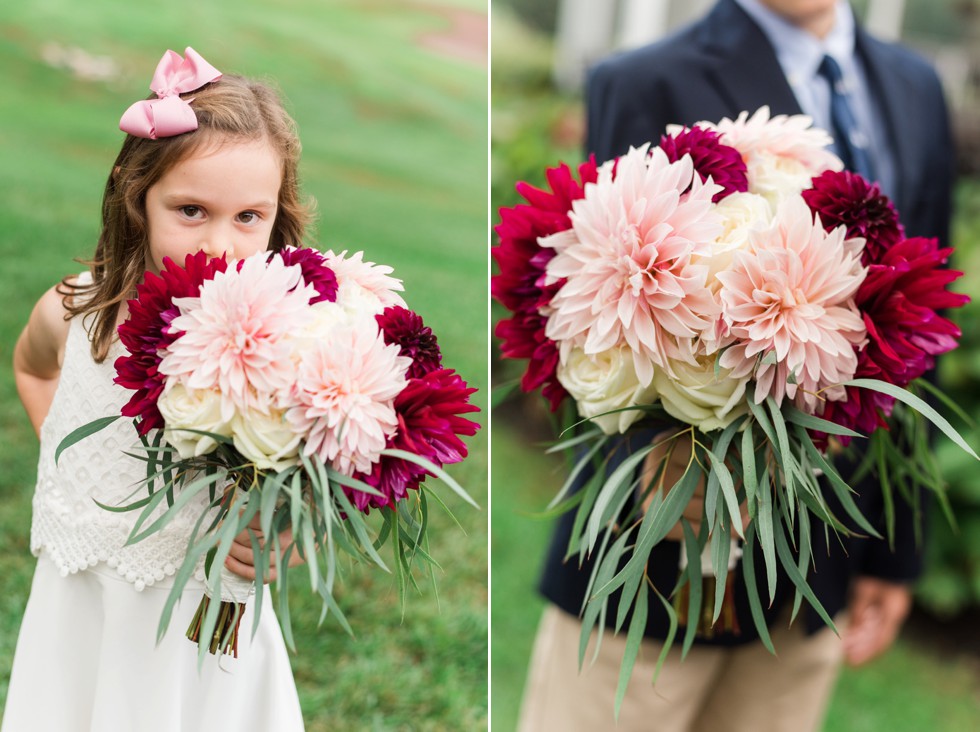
(233, 108)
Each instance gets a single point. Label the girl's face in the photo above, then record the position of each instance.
(221, 200)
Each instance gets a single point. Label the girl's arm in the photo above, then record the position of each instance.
(38, 356)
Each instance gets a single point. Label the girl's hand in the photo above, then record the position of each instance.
(241, 558)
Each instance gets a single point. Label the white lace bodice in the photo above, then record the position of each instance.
(67, 524)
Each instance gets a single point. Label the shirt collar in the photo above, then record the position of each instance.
(799, 52)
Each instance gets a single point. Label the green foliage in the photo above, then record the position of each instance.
(394, 136)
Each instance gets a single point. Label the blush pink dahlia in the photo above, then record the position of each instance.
(520, 286)
(900, 302)
(315, 271)
(146, 333)
(405, 329)
(429, 417)
(711, 158)
(788, 309)
(236, 337)
(345, 391)
(627, 261)
(364, 286)
(843, 198)
(789, 137)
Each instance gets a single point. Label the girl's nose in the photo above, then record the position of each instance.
(219, 240)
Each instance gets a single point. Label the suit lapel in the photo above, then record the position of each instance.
(746, 72)
(888, 89)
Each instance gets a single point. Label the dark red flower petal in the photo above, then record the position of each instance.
(843, 198)
(146, 332)
(711, 157)
(417, 341)
(520, 285)
(429, 412)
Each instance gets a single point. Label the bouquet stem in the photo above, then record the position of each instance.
(224, 638)
(727, 619)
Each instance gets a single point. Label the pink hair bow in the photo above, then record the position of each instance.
(169, 115)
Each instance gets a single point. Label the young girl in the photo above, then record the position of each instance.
(210, 163)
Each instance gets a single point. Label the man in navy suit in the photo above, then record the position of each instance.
(745, 54)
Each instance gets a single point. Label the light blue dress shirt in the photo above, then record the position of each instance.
(799, 54)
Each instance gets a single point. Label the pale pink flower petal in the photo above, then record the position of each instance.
(345, 391)
(364, 286)
(788, 309)
(236, 334)
(628, 262)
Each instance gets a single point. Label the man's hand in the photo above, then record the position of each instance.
(241, 559)
(677, 452)
(875, 615)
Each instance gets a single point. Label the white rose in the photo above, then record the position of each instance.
(603, 382)
(198, 409)
(777, 176)
(741, 213)
(266, 439)
(356, 299)
(327, 318)
(695, 395)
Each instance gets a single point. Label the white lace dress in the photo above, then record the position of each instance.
(87, 657)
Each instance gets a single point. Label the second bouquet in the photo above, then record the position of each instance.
(286, 394)
(734, 287)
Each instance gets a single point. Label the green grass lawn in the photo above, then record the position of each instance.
(394, 134)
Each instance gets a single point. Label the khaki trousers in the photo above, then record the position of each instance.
(717, 689)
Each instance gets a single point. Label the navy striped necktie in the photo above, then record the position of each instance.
(850, 143)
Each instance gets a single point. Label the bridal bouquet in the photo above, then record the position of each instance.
(733, 279)
(294, 389)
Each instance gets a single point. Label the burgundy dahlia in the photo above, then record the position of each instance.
(429, 425)
(146, 332)
(315, 271)
(711, 157)
(900, 302)
(520, 285)
(843, 198)
(416, 340)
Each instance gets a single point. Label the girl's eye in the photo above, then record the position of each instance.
(191, 212)
(248, 217)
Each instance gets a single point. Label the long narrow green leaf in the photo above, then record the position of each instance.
(752, 590)
(435, 470)
(575, 472)
(657, 522)
(187, 493)
(634, 637)
(564, 445)
(841, 489)
(795, 416)
(789, 566)
(727, 491)
(766, 540)
(721, 544)
(945, 399)
(694, 582)
(918, 405)
(79, 434)
(749, 477)
(784, 454)
(612, 490)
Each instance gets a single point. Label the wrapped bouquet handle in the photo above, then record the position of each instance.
(235, 592)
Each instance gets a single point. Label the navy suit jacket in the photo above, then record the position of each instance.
(716, 68)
